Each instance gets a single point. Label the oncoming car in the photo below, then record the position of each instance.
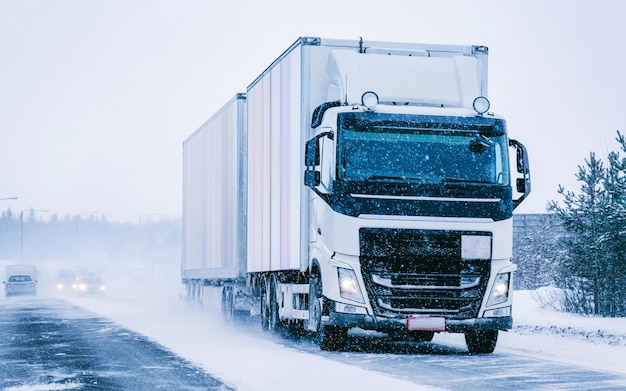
(65, 281)
(89, 283)
(20, 284)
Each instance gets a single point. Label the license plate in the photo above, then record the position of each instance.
(428, 323)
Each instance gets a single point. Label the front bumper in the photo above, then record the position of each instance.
(368, 322)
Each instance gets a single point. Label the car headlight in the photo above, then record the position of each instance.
(475, 247)
(500, 289)
(348, 285)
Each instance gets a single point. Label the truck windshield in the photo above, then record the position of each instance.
(427, 149)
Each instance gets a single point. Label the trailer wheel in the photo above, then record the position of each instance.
(481, 341)
(274, 324)
(228, 304)
(265, 296)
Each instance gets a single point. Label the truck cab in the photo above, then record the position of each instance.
(411, 217)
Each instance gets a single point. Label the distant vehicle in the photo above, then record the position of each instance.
(65, 281)
(89, 283)
(20, 284)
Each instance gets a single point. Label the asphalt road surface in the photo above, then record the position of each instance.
(48, 344)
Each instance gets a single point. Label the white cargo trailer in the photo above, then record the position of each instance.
(358, 184)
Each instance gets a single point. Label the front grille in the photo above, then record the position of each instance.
(421, 272)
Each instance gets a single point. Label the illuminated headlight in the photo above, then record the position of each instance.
(60, 287)
(82, 287)
(475, 247)
(500, 290)
(348, 285)
(103, 288)
(481, 105)
(369, 100)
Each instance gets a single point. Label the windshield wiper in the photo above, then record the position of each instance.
(462, 180)
(394, 178)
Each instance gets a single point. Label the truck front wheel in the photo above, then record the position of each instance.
(481, 341)
(330, 338)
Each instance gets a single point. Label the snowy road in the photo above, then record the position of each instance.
(58, 342)
(48, 344)
(446, 364)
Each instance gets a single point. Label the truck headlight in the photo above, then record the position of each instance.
(348, 285)
(500, 290)
(475, 247)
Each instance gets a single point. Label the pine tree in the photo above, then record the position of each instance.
(594, 265)
(583, 215)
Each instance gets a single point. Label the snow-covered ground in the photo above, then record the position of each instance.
(245, 358)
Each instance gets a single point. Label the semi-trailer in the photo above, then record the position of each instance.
(358, 184)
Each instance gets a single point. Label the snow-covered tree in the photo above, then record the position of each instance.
(592, 273)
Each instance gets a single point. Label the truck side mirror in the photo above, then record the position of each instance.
(312, 155)
(522, 185)
(521, 158)
(312, 177)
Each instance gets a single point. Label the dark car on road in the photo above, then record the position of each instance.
(65, 281)
(90, 283)
(20, 284)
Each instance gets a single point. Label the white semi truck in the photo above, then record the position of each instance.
(358, 184)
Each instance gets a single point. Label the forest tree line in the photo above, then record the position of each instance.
(32, 237)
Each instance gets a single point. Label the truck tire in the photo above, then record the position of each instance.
(274, 324)
(265, 295)
(228, 303)
(481, 341)
(270, 320)
(331, 338)
(315, 307)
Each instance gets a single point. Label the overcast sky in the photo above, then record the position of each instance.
(96, 97)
